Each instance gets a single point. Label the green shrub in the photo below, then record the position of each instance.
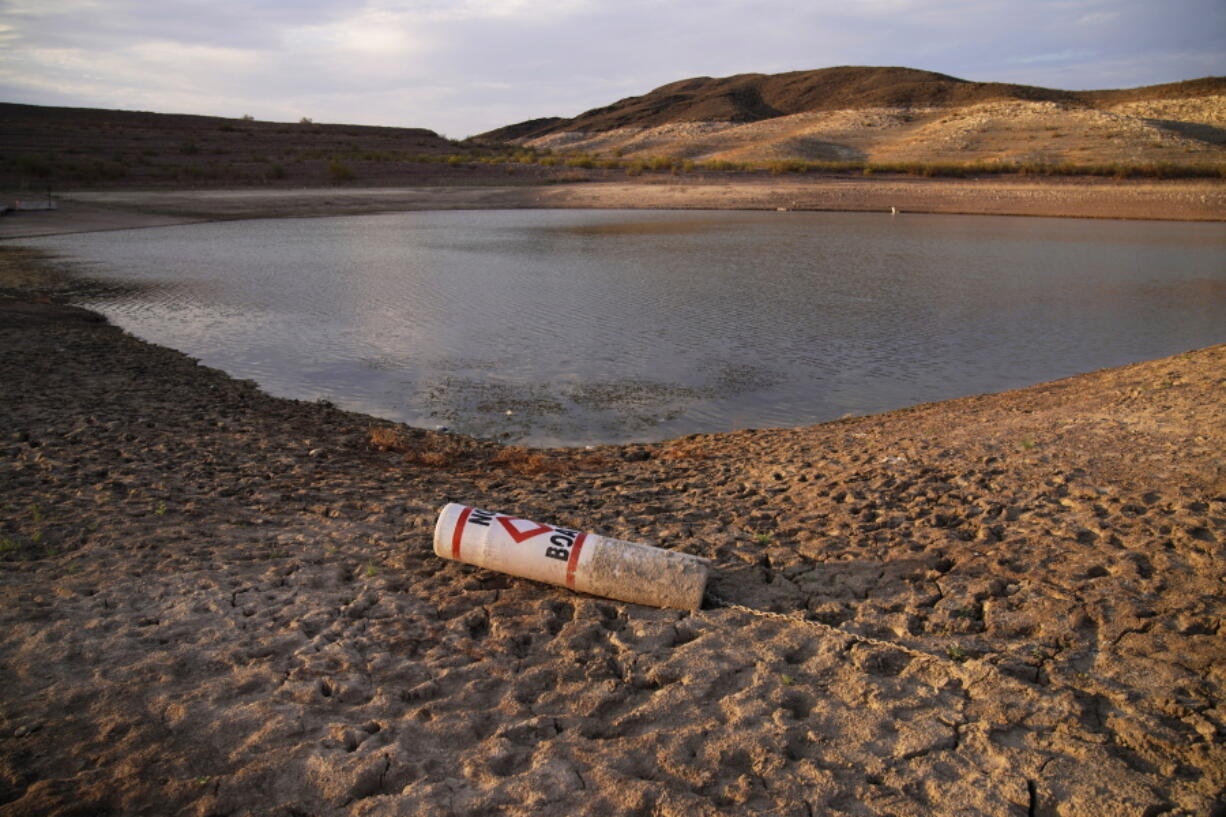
(782, 166)
(567, 177)
(193, 173)
(718, 165)
(40, 167)
(338, 171)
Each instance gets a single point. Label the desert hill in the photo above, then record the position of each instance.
(871, 119)
(895, 114)
(42, 146)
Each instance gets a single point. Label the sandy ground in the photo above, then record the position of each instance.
(1182, 200)
(216, 602)
(71, 217)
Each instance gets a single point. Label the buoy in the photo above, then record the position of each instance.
(893, 211)
(584, 562)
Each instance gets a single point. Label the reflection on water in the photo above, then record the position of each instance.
(585, 326)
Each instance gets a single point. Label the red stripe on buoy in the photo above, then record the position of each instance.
(459, 529)
(573, 561)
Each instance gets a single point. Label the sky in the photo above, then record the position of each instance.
(461, 67)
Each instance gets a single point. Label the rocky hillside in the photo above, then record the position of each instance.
(895, 115)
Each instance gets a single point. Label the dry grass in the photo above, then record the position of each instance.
(443, 451)
(386, 438)
(526, 462)
(433, 450)
(441, 457)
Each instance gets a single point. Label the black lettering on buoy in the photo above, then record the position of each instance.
(557, 553)
(479, 517)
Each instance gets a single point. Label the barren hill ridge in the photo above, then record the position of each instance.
(57, 147)
(895, 114)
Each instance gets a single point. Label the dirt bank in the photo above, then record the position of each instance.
(218, 602)
(1177, 200)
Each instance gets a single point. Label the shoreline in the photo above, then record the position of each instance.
(1180, 200)
(219, 601)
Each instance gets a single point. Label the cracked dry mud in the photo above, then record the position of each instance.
(216, 602)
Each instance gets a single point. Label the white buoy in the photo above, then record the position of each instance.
(584, 562)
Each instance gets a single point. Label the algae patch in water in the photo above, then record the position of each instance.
(505, 411)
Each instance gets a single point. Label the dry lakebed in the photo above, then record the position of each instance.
(217, 602)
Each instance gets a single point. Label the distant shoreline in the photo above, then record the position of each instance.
(1176, 200)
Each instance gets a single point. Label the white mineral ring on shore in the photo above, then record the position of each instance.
(584, 562)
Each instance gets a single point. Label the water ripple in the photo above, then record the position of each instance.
(586, 326)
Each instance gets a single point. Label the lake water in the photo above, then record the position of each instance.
(572, 327)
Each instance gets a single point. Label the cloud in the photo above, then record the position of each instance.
(464, 66)
(1060, 56)
(1097, 18)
